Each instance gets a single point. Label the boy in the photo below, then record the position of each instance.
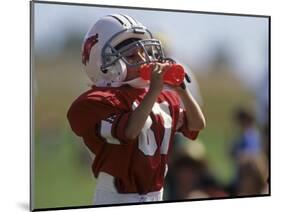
(126, 122)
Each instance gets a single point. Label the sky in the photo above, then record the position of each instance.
(192, 37)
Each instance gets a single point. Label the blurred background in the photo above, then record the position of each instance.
(227, 58)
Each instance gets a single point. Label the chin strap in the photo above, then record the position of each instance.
(137, 83)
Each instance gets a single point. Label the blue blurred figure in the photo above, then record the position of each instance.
(247, 152)
(248, 144)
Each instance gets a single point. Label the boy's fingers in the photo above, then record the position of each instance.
(157, 68)
(160, 68)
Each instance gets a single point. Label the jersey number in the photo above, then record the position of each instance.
(146, 140)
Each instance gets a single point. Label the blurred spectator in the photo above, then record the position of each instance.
(187, 173)
(248, 142)
(189, 177)
(250, 162)
(253, 177)
(212, 187)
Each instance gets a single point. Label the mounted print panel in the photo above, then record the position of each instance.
(141, 105)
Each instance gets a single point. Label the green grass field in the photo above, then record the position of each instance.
(62, 166)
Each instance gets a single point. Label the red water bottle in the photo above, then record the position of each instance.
(173, 76)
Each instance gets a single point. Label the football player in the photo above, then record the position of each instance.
(126, 122)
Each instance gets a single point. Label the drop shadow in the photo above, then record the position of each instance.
(23, 206)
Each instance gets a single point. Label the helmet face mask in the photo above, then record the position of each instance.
(134, 54)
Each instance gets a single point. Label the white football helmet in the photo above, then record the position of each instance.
(108, 44)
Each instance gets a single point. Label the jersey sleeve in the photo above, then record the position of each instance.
(112, 128)
(100, 117)
(182, 126)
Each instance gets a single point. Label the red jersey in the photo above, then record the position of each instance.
(100, 116)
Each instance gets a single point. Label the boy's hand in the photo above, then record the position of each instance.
(139, 115)
(156, 81)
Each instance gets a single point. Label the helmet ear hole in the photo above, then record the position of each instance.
(115, 74)
(104, 71)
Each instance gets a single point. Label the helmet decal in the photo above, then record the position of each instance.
(90, 42)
